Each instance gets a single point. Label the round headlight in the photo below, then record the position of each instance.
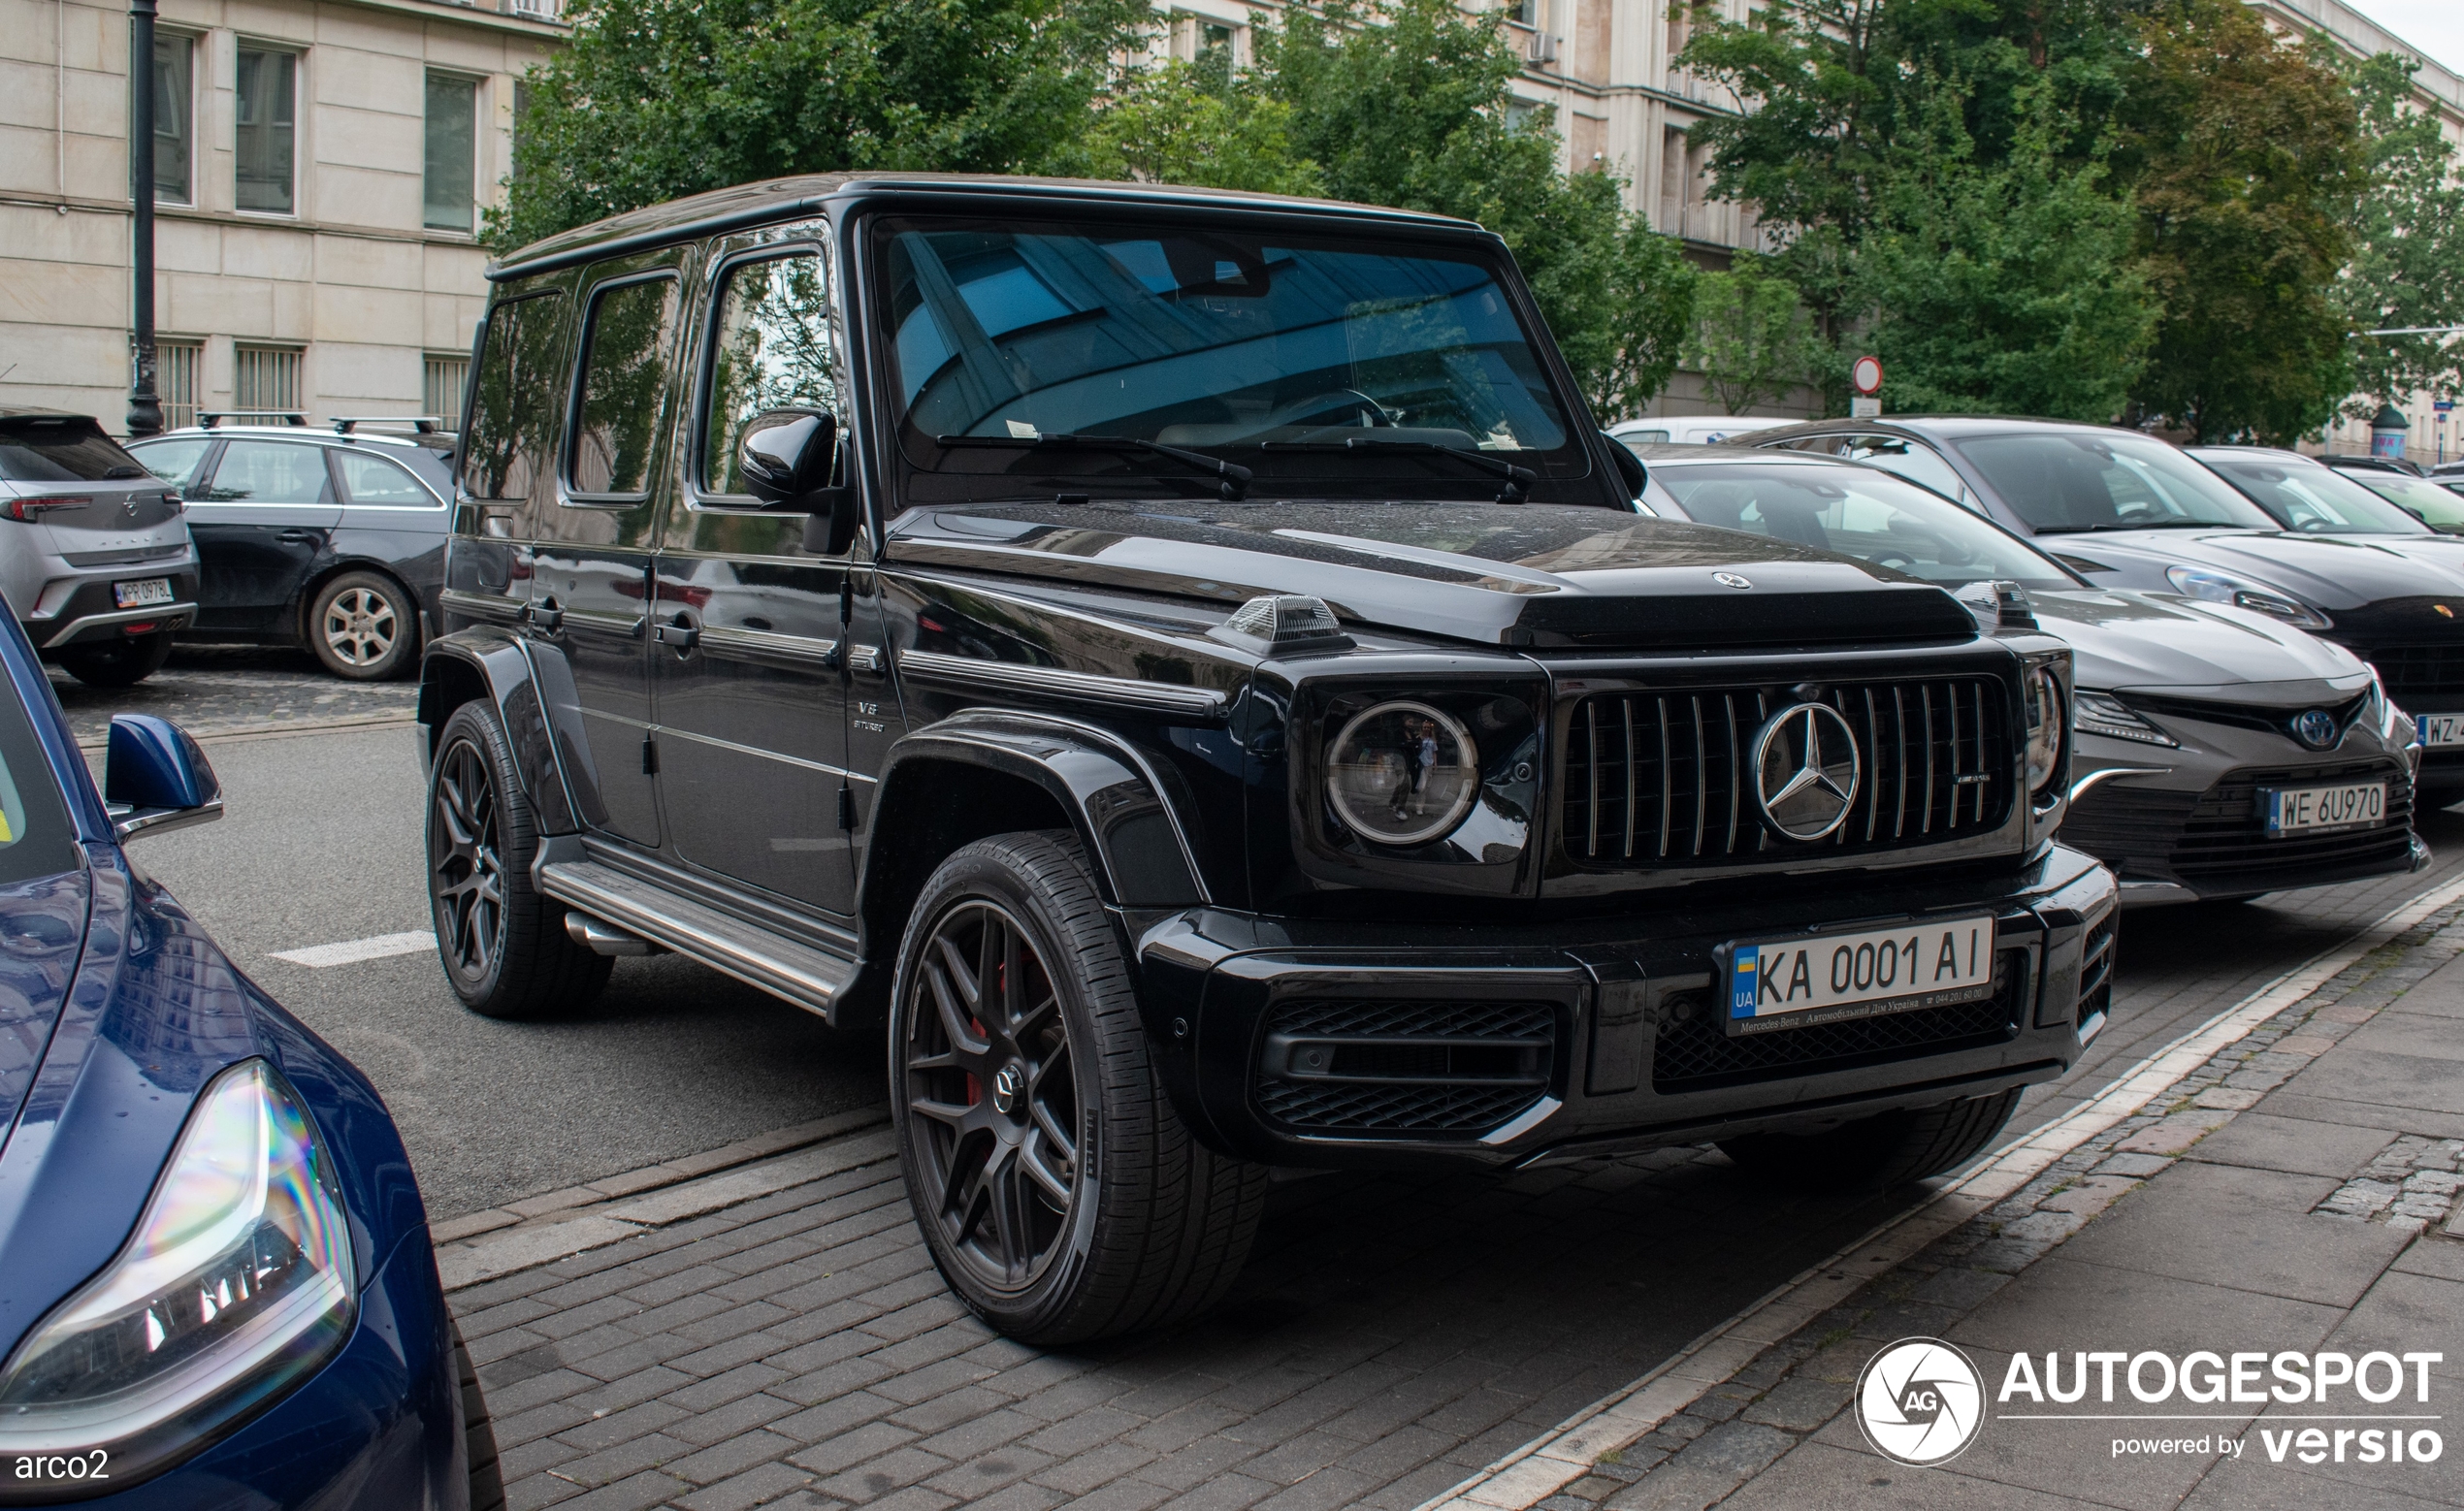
(2044, 728)
(1401, 773)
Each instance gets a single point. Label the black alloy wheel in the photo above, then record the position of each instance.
(990, 1071)
(1056, 1187)
(503, 943)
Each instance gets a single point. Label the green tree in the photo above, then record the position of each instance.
(1752, 339)
(659, 98)
(1184, 124)
(2244, 153)
(2407, 255)
(2006, 287)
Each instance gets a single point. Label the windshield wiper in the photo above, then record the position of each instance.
(1236, 477)
(1518, 479)
(2084, 530)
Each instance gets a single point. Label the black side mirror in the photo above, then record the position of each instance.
(1629, 468)
(787, 458)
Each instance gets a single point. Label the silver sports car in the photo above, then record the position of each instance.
(2219, 752)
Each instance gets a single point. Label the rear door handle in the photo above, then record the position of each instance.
(681, 632)
(297, 537)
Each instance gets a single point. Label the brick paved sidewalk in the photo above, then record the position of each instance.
(2299, 1191)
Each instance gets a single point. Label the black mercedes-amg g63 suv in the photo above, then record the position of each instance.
(1190, 667)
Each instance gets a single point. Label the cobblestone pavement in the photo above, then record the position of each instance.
(211, 690)
(2271, 1200)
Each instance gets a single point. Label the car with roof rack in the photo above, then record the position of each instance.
(95, 557)
(2124, 508)
(1186, 667)
(330, 537)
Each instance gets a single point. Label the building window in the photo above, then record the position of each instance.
(441, 382)
(174, 118)
(266, 379)
(453, 113)
(176, 382)
(268, 129)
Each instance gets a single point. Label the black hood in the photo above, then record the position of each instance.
(1523, 575)
(2328, 573)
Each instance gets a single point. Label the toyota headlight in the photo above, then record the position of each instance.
(2199, 582)
(237, 1285)
(2101, 713)
(1401, 773)
(2044, 730)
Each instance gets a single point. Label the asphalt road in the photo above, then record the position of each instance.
(322, 845)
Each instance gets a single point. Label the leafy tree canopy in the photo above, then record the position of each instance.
(2407, 261)
(1752, 338)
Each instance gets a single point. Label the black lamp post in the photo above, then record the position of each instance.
(145, 405)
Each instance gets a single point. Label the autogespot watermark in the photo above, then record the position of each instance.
(1920, 1402)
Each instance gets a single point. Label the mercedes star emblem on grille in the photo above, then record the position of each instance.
(2316, 729)
(1806, 770)
(1732, 580)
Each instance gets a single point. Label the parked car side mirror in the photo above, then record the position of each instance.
(788, 458)
(155, 779)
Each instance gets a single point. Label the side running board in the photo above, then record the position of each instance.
(811, 979)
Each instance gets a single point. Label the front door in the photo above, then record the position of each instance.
(750, 671)
(261, 523)
(595, 548)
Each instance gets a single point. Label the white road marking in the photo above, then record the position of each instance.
(352, 952)
(1544, 1466)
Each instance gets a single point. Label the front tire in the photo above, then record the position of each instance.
(1886, 1149)
(362, 626)
(1058, 1191)
(117, 664)
(503, 943)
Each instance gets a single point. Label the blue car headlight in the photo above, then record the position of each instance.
(237, 1285)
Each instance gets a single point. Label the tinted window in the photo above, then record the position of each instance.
(35, 839)
(1867, 514)
(271, 471)
(1273, 351)
(508, 426)
(376, 480)
(772, 346)
(1916, 462)
(2313, 500)
(2060, 482)
(175, 462)
(2424, 500)
(69, 449)
(623, 383)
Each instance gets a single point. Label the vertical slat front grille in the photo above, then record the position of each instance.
(2418, 670)
(1667, 778)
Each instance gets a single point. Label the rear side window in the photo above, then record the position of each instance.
(380, 482)
(175, 462)
(625, 369)
(515, 402)
(271, 471)
(68, 449)
(35, 839)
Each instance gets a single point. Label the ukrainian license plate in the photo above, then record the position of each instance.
(2320, 810)
(1831, 978)
(143, 593)
(2439, 730)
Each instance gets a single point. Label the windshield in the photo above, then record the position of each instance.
(35, 839)
(2063, 481)
(2313, 500)
(1329, 367)
(62, 449)
(1862, 512)
(2428, 501)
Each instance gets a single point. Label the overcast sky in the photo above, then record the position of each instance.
(2435, 26)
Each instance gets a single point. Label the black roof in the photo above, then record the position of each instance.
(779, 199)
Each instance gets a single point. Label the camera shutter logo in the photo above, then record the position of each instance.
(1806, 770)
(1920, 1402)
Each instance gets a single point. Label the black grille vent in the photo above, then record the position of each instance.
(2096, 969)
(1695, 1054)
(1657, 779)
(1382, 1066)
(2220, 835)
(2411, 671)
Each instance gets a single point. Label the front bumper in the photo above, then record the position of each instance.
(1524, 1043)
(378, 1428)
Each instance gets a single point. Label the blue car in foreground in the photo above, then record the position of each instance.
(217, 1287)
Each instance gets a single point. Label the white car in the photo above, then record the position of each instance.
(1695, 430)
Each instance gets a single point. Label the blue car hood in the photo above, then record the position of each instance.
(42, 933)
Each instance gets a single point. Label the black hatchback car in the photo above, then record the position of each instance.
(2128, 510)
(331, 540)
(1190, 661)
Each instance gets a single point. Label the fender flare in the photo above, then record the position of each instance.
(1120, 802)
(488, 661)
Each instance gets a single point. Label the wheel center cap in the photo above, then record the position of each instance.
(1007, 1087)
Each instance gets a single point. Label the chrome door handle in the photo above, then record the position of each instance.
(681, 633)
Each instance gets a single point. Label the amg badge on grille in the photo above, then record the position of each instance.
(1806, 770)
